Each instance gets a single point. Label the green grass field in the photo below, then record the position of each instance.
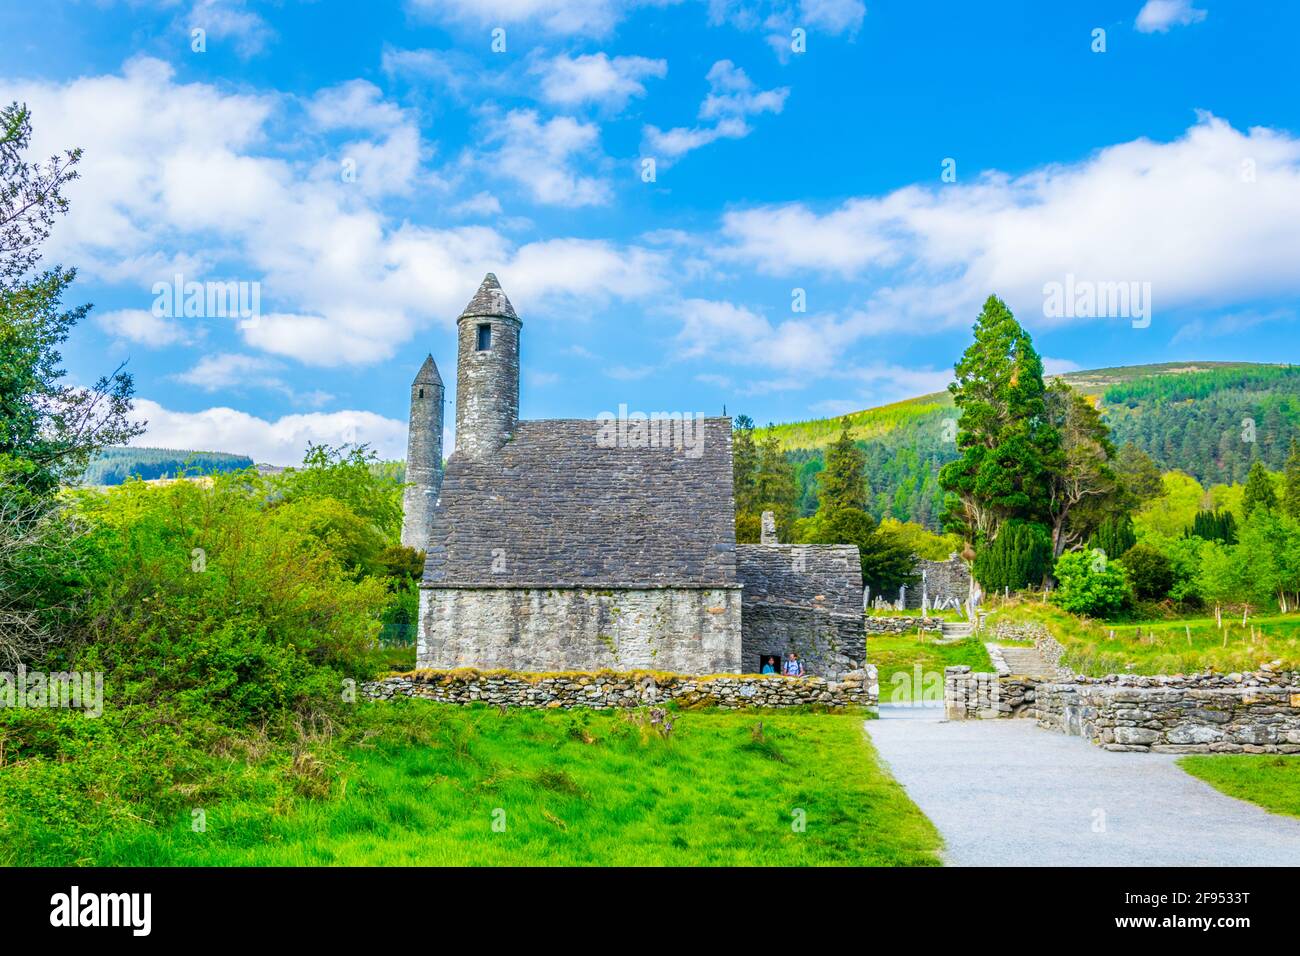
(428, 781)
(1163, 647)
(1271, 781)
(901, 657)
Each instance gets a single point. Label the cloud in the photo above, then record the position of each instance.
(193, 178)
(225, 370)
(596, 78)
(144, 328)
(1058, 366)
(480, 204)
(732, 98)
(541, 156)
(232, 20)
(278, 442)
(1157, 16)
(593, 18)
(926, 257)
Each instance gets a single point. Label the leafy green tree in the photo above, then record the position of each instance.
(1259, 492)
(1114, 536)
(1004, 436)
(1225, 577)
(1150, 572)
(1291, 482)
(348, 474)
(1138, 473)
(1083, 488)
(887, 562)
(48, 429)
(1089, 584)
(1019, 557)
(843, 482)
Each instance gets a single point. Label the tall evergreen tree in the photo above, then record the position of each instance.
(1082, 486)
(775, 487)
(1259, 492)
(843, 482)
(744, 463)
(1003, 433)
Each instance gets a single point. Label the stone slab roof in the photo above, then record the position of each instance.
(554, 508)
(825, 576)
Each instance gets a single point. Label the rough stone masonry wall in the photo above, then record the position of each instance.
(984, 695)
(901, 625)
(946, 583)
(685, 630)
(1209, 713)
(829, 645)
(609, 689)
(1049, 648)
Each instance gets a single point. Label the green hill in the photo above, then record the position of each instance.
(1209, 419)
(113, 466)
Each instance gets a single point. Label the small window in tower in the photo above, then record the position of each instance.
(422, 393)
(484, 338)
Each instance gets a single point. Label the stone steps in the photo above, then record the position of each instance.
(1025, 661)
(954, 631)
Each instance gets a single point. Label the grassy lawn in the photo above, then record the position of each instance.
(898, 657)
(1272, 782)
(1163, 647)
(573, 788)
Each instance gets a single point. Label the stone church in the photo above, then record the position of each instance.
(578, 544)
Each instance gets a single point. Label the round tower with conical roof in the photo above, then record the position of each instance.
(423, 456)
(487, 372)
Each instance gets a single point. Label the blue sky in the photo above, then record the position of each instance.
(365, 164)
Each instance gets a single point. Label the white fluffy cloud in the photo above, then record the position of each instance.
(543, 156)
(596, 78)
(142, 327)
(225, 370)
(278, 442)
(190, 178)
(1157, 16)
(1211, 218)
(732, 98)
(581, 17)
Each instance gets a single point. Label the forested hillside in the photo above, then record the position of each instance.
(1209, 419)
(112, 466)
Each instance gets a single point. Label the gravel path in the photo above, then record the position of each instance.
(1006, 793)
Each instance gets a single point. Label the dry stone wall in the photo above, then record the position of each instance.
(1208, 713)
(611, 689)
(901, 625)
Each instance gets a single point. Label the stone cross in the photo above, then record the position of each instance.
(769, 528)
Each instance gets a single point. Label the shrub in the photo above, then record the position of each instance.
(1089, 584)
(1019, 557)
(1149, 571)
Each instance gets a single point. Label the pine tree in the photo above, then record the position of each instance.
(744, 463)
(776, 489)
(843, 482)
(1291, 482)
(1259, 492)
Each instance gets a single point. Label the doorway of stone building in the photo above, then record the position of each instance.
(776, 663)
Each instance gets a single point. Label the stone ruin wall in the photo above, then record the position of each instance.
(610, 689)
(687, 630)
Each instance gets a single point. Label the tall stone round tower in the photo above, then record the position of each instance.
(423, 456)
(487, 372)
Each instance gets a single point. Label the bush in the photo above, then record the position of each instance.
(1089, 584)
(1019, 557)
(1149, 571)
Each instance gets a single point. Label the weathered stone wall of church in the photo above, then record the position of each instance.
(830, 645)
(946, 583)
(684, 630)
